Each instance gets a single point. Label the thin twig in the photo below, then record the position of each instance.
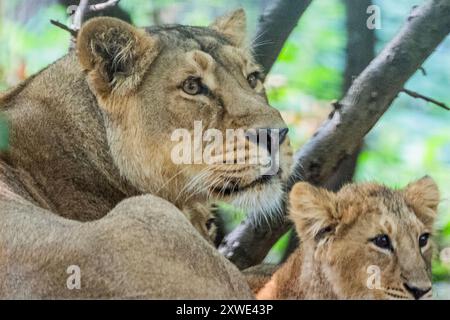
(73, 33)
(428, 99)
(424, 72)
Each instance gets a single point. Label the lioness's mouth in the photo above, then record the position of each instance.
(234, 186)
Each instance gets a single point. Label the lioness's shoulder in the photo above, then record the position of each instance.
(53, 81)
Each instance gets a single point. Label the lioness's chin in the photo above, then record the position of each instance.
(262, 203)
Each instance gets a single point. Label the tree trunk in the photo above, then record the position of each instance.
(275, 25)
(360, 51)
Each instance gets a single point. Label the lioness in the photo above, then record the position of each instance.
(94, 128)
(365, 242)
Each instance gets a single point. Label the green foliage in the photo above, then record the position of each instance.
(231, 216)
(31, 46)
(4, 136)
(441, 272)
(313, 57)
(278, 251)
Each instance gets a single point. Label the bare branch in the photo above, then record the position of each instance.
(58, 24)
(424, 72)
(275, 25)
(365, 102)
(80, 13)
(79, 17)
(420, 96)
(103, 6)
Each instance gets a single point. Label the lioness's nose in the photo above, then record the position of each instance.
(282, 134)
(267, 134)
(416, 292)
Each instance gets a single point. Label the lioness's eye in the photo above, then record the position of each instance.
(253, 79)
(192, 86)
(382, 241)
(423, 239)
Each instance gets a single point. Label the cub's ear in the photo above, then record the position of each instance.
(233, 26)
(115, 54)
(423, 196)
(313, 211)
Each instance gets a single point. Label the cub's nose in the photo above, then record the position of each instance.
(416, 292)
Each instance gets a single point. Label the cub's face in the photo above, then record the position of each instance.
(371, 242)
(186, 112)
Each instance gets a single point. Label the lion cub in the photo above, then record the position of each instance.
(365, 242)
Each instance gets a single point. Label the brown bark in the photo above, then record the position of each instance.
(275, 25)
(368, 98)
(360, 40)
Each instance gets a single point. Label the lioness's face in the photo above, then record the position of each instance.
(372, 242)
(187, 116)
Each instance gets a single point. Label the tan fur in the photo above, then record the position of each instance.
(336, 257)
(203, 219)
(232, 26)
(94, 129)
(258, 276)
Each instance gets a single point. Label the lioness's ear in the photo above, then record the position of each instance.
(115, 54)
(313, 211)
(423, 196)
(233, 26)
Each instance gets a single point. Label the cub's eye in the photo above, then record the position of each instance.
(192, 86)
(253, 79)
(383, 242)
(423, 239)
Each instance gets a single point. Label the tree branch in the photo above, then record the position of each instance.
(58, 24)
(80, 15)
(103, 6)
(421, 96)
(98, 7)
(368, 98)
(275, 25)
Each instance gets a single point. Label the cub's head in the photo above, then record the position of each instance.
(370, 242)
(177, 101)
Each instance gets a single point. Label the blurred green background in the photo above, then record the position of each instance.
(412, 139)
